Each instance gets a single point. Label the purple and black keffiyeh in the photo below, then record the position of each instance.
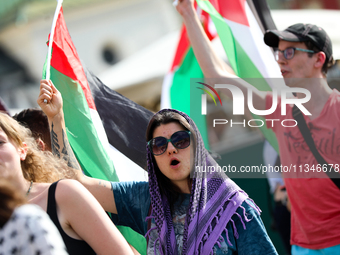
(214, 200)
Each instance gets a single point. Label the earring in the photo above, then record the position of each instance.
(23, 157)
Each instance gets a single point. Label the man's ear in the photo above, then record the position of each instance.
(23, 151)
(321, 58)
(41, 144)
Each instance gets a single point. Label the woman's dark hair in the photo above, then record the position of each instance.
(166, 187)
(10, 198)
(328, 63)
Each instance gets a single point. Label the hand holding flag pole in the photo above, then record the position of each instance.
(48, 92)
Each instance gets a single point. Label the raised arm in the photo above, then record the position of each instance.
(53, 108)
(51, 103)
(211, 65)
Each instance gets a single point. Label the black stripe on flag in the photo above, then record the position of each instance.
(124, 121)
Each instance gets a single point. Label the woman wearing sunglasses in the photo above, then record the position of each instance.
(180, 211)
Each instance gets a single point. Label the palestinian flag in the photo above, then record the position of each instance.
(242, 39)
(240, 26)
(67, 74)
(175, 92)
(125, 124)
(84, 127)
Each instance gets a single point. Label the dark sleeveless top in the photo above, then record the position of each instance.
(74, 246)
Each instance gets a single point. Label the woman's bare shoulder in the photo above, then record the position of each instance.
(68, 189)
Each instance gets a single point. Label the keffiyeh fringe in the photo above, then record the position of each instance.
(243, 218)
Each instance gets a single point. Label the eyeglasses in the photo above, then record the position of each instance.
(179, 139)
(289, 52)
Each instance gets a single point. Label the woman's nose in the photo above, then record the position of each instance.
(171, 149)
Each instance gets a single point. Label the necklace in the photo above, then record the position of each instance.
(29, 189)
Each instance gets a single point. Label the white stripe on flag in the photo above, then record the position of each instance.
(126, 169)
(165, 97)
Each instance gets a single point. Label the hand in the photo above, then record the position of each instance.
(50, 100)
(289, 206)
(280, 194)
(185, 7)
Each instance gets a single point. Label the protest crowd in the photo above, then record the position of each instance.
(54, 202)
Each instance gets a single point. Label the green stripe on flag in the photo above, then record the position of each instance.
(180, 93)
(81, 132)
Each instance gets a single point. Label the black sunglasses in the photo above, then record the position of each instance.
(179, 139)
(289, 52)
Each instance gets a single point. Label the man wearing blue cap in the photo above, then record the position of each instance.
(304, 54)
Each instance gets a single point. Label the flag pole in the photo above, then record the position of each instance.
(49, 53)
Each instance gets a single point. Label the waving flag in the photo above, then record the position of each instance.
(242, 39)
(175, 90)
(84, 126)
(67, 74)
(125, 124)
(239, 25)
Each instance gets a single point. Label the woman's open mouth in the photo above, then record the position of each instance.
(174, 163)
